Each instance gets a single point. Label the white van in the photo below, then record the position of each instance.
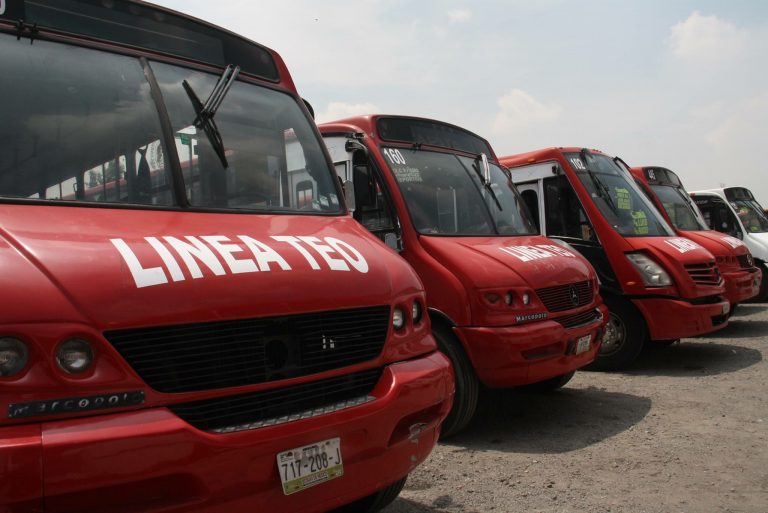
(735, 211)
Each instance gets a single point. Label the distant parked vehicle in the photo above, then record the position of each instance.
(658, 286)
(735, 211)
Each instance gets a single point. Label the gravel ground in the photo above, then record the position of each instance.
(684, 430)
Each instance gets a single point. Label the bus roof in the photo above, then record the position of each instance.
(142, 25)
(657, 175)
(414, 130)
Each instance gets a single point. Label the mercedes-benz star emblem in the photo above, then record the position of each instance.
(574, 295)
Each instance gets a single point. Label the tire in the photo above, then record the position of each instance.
(467, 386)
(625, 336)
(732, 310)
(376, 501)
(549, 385)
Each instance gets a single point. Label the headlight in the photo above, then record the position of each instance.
(416, 311)
(398, 318)
(74, 356)
(653, 274)
(526, 299)
(13, 356)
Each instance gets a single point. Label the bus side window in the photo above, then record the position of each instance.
(564, 214)
(531, 200)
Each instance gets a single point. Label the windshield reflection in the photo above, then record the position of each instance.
(446, 195)
(751, 215)
(617, 196)
(679, 208)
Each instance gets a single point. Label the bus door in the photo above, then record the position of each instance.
(565, 218)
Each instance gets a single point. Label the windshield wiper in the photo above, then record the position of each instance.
(600, 188)
(204, 113)
(485, 176)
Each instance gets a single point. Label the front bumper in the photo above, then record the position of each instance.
(670, 319)
(741, 285)
(150, 460)
(529, 353)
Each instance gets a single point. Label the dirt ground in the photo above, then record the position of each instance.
(684, 430)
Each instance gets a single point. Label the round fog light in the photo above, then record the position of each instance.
(74, 356)
(398, 318)
(416, 312)
(13, 356)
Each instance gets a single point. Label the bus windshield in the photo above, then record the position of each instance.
(446, 195)
(617, 196)
(752, 216)
(680, 208)
(83, 126)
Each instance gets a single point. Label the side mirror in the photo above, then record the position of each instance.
(363, 187)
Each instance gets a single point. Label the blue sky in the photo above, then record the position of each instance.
(674, 83)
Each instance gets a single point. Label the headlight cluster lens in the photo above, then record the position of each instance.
(494, 298)
(75, 356)
(13, 356)
(652, 273)
(399, 317)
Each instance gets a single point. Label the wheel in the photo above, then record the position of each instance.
(624, 337)
(374, 502)
(467, 386)
(549, 385)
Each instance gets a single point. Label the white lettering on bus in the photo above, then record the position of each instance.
(683, 245)
(264, 254)
(209, 249)
(142, 277)
(732, 241)
(294, 241)
(336, 264)
(342, 248)
(226, 250)
(538, 252)
(193, 250)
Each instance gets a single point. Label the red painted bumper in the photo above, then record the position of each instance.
(520, 355)
(741, 285)
(670, 319)
(150, 460)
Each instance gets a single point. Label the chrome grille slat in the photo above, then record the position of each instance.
(275, 406)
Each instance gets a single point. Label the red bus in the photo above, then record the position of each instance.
(508, 306)
(737, 267)
(192, 321)
(659, 287)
